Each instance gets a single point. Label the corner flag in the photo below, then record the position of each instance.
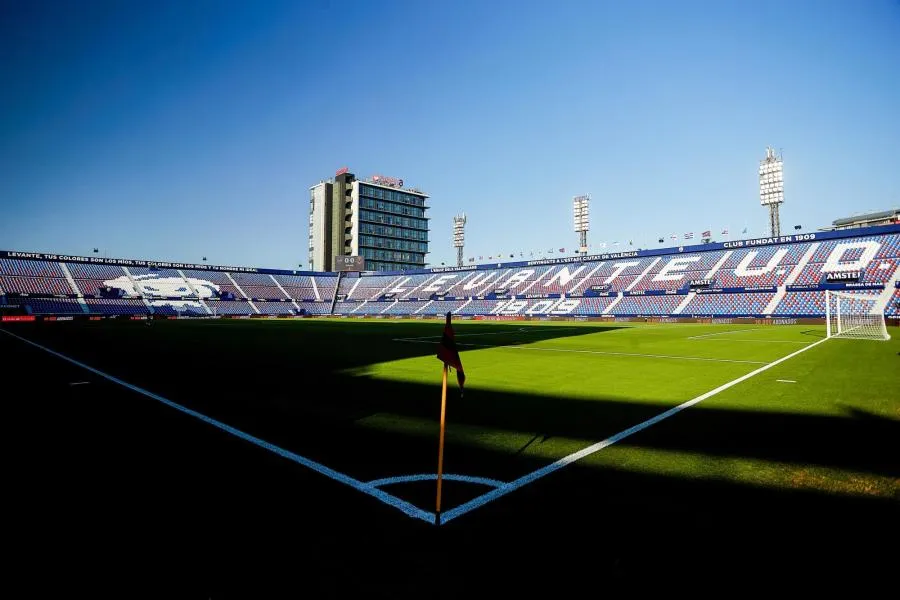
(448, 353)
(450, 356)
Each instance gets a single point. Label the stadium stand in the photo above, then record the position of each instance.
(779, 277)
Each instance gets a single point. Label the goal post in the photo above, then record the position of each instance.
(854, 316)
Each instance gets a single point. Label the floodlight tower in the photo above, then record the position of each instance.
(771, 188)
(581, 210)
(459, 237)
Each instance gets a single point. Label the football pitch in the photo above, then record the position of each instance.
(636, 441)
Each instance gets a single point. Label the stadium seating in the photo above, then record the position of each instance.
(742, 279)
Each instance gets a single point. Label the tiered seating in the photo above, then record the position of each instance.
(90, 286)
(314, 293)
(534, 274)
(326, 286)
(593, 305)
(349, 307)
(622, 280)
(35, 285)
(347, 284)
(647, 305)
(30, 268)
(878, 271)
(98, 272)
(802, 303)
(406, 308)
(298, 287)
(230, 307)
(728, 304)
(316, 308)
(893, 305)
(476, 283)
(478, 307)
(215, 282)
(727, 277)
(561, 279)
(874, 273)
(257, 285)
(413, 285)
(442, 307)
(275, 308)
(51, 306)
(191, 309)
(117, 306)
(368, 288)
(702, 263)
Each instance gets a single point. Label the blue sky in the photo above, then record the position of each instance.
(177, 130)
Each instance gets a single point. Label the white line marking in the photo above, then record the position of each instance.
(706, 335)
(757, 341)
(365, 488)
(433, 477)
(786, 380)
(567, 460)
(79, 383)
(601, 352)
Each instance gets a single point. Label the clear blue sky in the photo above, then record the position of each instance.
(177, 130)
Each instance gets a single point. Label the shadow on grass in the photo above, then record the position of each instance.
(100, 462)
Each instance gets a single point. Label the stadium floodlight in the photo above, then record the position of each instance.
(459, 237)
(771, 188)
(581, 210)
(856, 316)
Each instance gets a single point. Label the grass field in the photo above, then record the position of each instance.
(579, 451)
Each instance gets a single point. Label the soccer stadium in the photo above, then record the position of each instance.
(740, 393)
(450, 300)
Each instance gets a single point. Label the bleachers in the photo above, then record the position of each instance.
(275, 308)
(230, 307)
(52, 306)
(728, 304)
(520, 288)
(647, 305)
(893, 306)
(35, 285)
(117, 306)
(298, 287)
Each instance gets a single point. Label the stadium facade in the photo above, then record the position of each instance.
(884, 217)
(378, 219)
(763, 278)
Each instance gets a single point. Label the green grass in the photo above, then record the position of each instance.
(536, 392)
(763, 460)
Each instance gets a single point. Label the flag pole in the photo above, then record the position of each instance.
(440, 470)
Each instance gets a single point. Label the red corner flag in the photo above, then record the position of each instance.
(447, 352)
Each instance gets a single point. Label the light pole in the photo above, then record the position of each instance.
(771, 188)
(581, 210)
(459, 237)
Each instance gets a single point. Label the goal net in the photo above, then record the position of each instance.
(855, 316)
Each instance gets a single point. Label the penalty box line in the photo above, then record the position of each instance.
(571, 458)
(366, 488)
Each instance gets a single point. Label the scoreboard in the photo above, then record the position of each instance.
(349, 263)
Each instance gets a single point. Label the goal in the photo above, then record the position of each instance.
(856, 316)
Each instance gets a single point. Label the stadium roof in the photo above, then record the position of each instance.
(884, 214)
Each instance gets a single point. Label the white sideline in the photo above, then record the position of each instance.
(366, 488)
(402, 505)
(567, 460)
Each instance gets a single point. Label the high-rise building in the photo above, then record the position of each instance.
(377, 218)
